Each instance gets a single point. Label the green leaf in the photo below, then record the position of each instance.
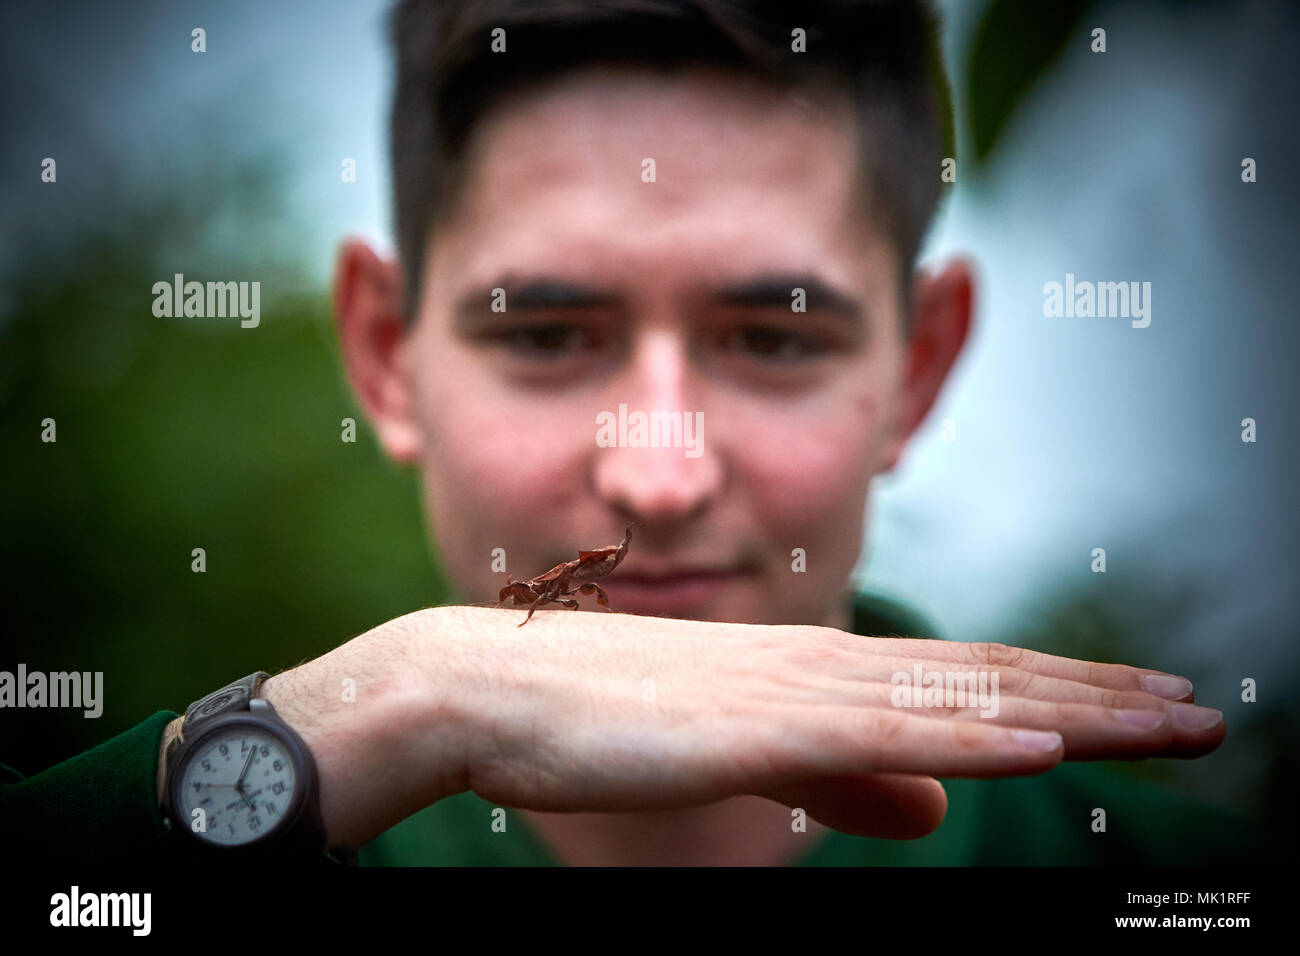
(1017, 41)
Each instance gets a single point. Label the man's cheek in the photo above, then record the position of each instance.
(495, 468)
(489, 506)
(812, 499)
(515, 477)
(811, 476)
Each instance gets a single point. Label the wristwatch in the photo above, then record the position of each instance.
(241, 785)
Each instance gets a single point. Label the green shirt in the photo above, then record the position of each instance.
(101, 805)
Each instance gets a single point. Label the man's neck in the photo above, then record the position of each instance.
(741, 831)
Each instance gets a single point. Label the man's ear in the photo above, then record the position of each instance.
(942, 307)
(374, 343)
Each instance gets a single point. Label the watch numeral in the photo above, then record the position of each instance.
(265, 751)
(276, 765)
(223, 750)
(206, 765)
(277, 788)
(270, 807)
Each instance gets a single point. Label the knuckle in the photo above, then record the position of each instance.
(1029, 684)
(968, 735)
(994, 654)
(1096, 674)
(879, 729)
(1133, 700)
(953, 713)
(1010, 680)
(816, 647)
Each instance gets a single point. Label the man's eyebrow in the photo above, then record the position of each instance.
(760, 292)
(532, 294)
(777, 291)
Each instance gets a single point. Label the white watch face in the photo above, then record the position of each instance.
(236, 786)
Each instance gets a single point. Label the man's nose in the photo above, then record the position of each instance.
(680, 478)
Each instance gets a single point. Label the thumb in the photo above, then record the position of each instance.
(892, 806)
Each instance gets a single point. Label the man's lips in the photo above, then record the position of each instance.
(670, 591)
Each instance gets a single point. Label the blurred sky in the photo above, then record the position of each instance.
(1071, 433)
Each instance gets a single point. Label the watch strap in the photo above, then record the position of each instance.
(232, 698)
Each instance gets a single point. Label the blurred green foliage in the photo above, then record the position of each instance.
(1016, 43)
(175, 434)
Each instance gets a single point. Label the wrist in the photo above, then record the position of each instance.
(381, 719)
(455, 690)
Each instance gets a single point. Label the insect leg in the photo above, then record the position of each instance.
(601, 597)
(541, 599)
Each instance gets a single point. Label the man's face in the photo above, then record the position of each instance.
(666, 295)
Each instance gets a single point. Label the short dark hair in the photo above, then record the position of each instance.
(884, 55)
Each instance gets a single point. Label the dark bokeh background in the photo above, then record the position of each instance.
(181, 434)
(176, 434)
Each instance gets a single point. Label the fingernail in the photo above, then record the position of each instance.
(1037, 739)
(1146, 719)
(1192, 717)
(1170, 688)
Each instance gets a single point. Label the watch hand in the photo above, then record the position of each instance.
(247, 761)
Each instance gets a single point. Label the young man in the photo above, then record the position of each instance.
(711, 210)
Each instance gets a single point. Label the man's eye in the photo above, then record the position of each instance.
(543, 341)
(769, 342)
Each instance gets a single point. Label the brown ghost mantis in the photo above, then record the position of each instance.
(571, 577)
